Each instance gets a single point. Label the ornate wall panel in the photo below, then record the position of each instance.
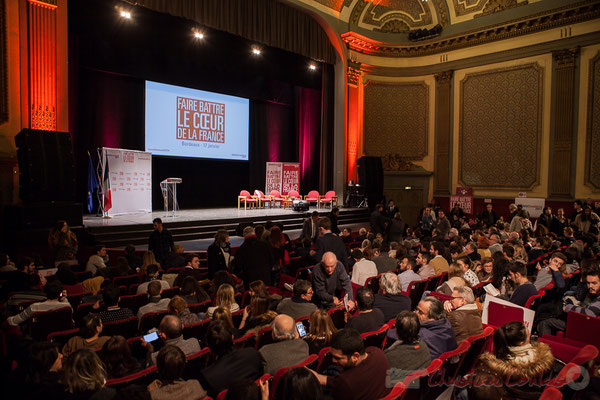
(443, 98)
(592, 170)
(396, 119)
(501, 128)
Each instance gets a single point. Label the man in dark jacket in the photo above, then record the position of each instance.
(253, 260)
(391, 301)
(160, 241)
(436, 331)
(327, 275)
(327, 241)
(378, 220)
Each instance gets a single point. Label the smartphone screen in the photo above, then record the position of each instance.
(151, 337)
(301, 330)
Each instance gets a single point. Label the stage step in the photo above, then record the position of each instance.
(137, 234)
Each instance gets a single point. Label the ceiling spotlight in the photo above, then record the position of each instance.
(256, 51)
(125, 14)
(198, 35)
(312, 67)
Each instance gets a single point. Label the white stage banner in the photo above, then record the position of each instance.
(130, 181)
(533, 206)
(282, 177)
(274, 177)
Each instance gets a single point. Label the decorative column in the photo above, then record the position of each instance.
(442, 177)
(353, 75)
(561, 141)
(42, 63)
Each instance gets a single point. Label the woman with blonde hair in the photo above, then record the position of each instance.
(178, 306)
(84, 376)
(147, 259)
(520, 253)
(225, 299)
(321, 330)
(455, 278)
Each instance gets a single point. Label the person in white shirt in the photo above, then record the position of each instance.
(97, 261)
(408, 275)
(469, 276)
(364, 268)
(57, 298)
(153, 276)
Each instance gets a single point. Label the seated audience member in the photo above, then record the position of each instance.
(192, 268)
(225, 299)
(484, 270)
(148, 258)
(363, 268)
(192, 292)
(257, 315)
(152, 275)
(42, 367)
(32, 293)
(300, 304)
(259, 287)
(362, 235)
(391, 300)
(364, 370)
(170, 330)
(368, 318)
(409, 353)
(177, 306)
(408, 274)
(98, 260)
(518, 274)
(556, 270)
(121, 268)
(55, 299)
(176, 258)
(301, 384)
(155, 302)
(435, 330)
(230, 365)
(133, 260)
(455, 278)
(463, 313)
(6, 265)
(589, 306)
(224, 315)
(170, 364)
(468, 275)
(288, 348)
(516, 365)
(320, 332)
(425, 270)
(84, 376)
(438, 262)
(117, 359)
(383, 261)
(327, 275)
(69, 280)
(89, 335)
(347, 236)
(112, 311)
(471, 252)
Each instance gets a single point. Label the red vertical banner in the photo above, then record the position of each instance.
(291, 177)
(273, 177)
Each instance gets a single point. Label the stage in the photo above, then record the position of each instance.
(192, 228)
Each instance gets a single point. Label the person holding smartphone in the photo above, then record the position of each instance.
(56, 298)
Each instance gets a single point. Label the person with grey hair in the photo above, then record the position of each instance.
(171, 331)
(289, 349)
(253, 260)
(391, 300)
(436, 331)
(463, 313)
(495, 244)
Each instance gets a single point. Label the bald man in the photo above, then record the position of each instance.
(326, 276)
(171, 331)
(289, 349)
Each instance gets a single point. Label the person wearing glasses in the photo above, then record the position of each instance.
(463, 313)
(436, 331)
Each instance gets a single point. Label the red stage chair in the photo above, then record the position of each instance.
(435, 281)
(337, 316)
(290, 197)
(325, 359)
(477, 344)
(194, 363)
(246, 198)
(313, 197)
(277, 197)
(262, 199)
(199, 307)
(373, 283)
(329, 197)
(248, 340)
(570, 351)
(196, 330)
(415, 291)
(422, 388)
(534, 301)
(451, 362)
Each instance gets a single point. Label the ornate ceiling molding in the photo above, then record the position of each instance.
(530, 24)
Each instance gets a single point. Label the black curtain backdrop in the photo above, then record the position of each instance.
(109, 60)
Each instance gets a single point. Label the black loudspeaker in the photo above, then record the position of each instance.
(300, 205)
(46, 166)
(370, 177)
